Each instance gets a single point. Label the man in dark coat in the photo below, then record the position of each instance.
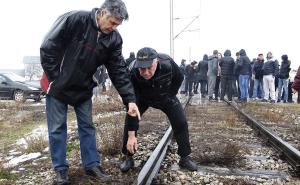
(227, 75)
(79, 42)
(202, 73)
(156, 80)
(283, 79)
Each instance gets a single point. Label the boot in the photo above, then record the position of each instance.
(187, 163)
(98, 173)
(62, 177)
(127, 164)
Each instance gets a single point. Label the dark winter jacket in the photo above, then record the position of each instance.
(165, 82)
(243, 66)
(257, 69)
(270, 68)
(130, 59)
(202, 68)
(190, 72)
(296, 83)
(284, 68)
(227, 64)
(71, 53)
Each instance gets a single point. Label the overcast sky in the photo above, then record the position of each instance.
(258, 26)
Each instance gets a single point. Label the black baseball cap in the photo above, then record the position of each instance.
(144, 57)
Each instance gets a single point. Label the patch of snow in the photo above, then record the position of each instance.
(26, 157)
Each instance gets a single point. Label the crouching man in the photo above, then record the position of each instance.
(156, 79)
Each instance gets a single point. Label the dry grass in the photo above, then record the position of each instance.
(6, 176)
(36, 143)
(109, 134)
(221, 154)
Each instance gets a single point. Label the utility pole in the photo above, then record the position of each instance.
(171, 30)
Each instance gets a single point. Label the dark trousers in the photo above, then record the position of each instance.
(226, 87)
(218, 80)
(174, 111)
(195, 86)
(188, 85)
(203, 88)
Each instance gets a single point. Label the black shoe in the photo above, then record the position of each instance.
(62, 177)
(196, 92)
(278, 101)
(264, 100)
(191, 94)
(187, 163)
(202, 96)
(210, 98)
(272, 101)
(98, 173)
(284, 101)
(127, 164)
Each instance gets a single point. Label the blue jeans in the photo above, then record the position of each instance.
(258, 85)
(244, 85)
(283, 84)
(57, 130)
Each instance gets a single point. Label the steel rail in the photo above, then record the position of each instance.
(152, 166)
(291, 154)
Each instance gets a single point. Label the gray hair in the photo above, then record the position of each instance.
(115, 8)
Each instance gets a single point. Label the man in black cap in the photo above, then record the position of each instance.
(156, 79)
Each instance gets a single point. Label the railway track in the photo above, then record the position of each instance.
(233, 154)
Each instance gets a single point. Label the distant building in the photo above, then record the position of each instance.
(32, 67)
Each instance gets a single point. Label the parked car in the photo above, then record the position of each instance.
(14, 87)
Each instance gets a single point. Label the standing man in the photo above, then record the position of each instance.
(227, 67)
(212, 73)
(182, 70)
(257, 76)
(156, 80)
(202, 70)
(283, 81)
(79, 42)
(270, 70)
(244, 68)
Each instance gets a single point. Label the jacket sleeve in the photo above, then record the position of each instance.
(177, 78)
(276, 68)
(296, 83)
(118, 74)
(53, 46)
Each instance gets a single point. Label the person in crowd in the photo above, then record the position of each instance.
(202, 71)
(196, 78)
(218, 79)
(227, 67)
(257, 76)
(156, 80)
(251, 80)
(99, 78)
(190, 71)
(235, 84)
(270, 70)
(212, 73)
(70, 54)
(182, 70)
(244, 68)
(296, 84)
(130, 59)
(283, 79)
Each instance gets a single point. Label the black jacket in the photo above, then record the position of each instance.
(243, 66)
(270, 68)
(165, 82)
(71, 53)
(284, 69)
(257, 69)
(227, 64)
(203, 68)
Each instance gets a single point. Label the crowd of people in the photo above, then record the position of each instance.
(258, 80)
